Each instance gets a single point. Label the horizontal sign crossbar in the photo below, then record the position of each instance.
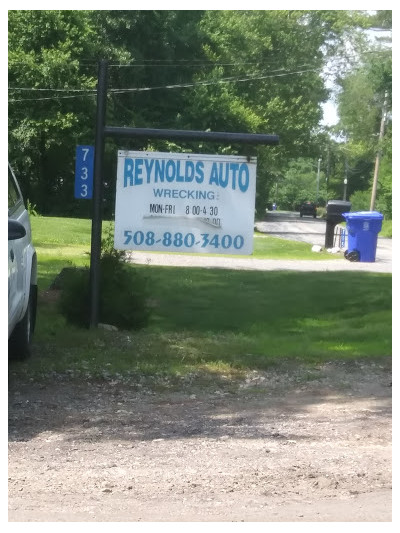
(188, 135)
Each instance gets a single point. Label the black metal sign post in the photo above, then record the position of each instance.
(101, 132)
(95, 250)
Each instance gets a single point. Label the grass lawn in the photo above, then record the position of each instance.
(211, 320)
(65, 241)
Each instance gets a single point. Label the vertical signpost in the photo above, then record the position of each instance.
(95, 248)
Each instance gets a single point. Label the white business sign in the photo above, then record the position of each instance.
(185, 203)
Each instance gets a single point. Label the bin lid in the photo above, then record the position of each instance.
(365, 215)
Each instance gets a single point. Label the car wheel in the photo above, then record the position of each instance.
(19, 344)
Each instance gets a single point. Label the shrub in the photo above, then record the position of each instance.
(360, 201)
(75, 295)
(123, 292)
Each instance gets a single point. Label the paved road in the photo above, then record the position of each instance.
(289, 225)
(284, 225)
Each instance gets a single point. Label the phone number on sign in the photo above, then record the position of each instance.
(183, 240)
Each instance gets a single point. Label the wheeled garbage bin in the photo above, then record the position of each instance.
(363, 228)
(334, 216)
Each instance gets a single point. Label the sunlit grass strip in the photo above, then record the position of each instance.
(218, 322)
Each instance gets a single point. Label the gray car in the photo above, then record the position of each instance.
(22, 274)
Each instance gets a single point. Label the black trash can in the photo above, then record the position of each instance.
(334, 216)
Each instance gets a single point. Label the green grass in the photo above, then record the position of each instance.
(386, 229)
(59, 242)
(266, 247)
(213, 321)
(63, 241)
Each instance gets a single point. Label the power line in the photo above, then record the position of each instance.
(232, 79)
(176, 86)
(213, 82)
(66, 90)
(14, 100)
(179, 63)
(229, 78)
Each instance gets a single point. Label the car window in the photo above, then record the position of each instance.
(14, 195)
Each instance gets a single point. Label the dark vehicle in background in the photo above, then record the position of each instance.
(308, 209)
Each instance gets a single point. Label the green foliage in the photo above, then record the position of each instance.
(222, 70)
(31, 209)
(251, 71)
(123, 296)
(360, 201)
(52, 74)
(386, 230)
(108, 252)
(366, 93)
(123, 291)
(75, 296)
(298, 184)
(258, 55)
(384, 189)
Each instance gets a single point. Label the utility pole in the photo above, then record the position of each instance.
(346, 168)
(328, 169)
(318, 171)
(378, 155)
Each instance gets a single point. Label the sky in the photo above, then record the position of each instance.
(330, 113)
(330, 117)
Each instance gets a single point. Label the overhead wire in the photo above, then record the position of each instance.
(92, 92)
(232, 79)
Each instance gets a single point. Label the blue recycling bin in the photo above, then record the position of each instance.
(363, 228)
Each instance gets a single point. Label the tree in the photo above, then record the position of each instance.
(52, 73)
(266, 78)
(366, 94)
(53, 57)
(298, 184)
(251, 71)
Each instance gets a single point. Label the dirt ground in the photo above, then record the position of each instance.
(290, 445)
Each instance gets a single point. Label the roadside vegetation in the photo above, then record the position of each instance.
(250, 71)
(217, 70)
(209, 322)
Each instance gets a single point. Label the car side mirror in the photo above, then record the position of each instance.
(15, 230)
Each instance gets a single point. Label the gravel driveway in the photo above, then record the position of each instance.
(298, 445)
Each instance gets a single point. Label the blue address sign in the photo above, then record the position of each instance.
(84, 163)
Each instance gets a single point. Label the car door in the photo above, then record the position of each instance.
(16, 255)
